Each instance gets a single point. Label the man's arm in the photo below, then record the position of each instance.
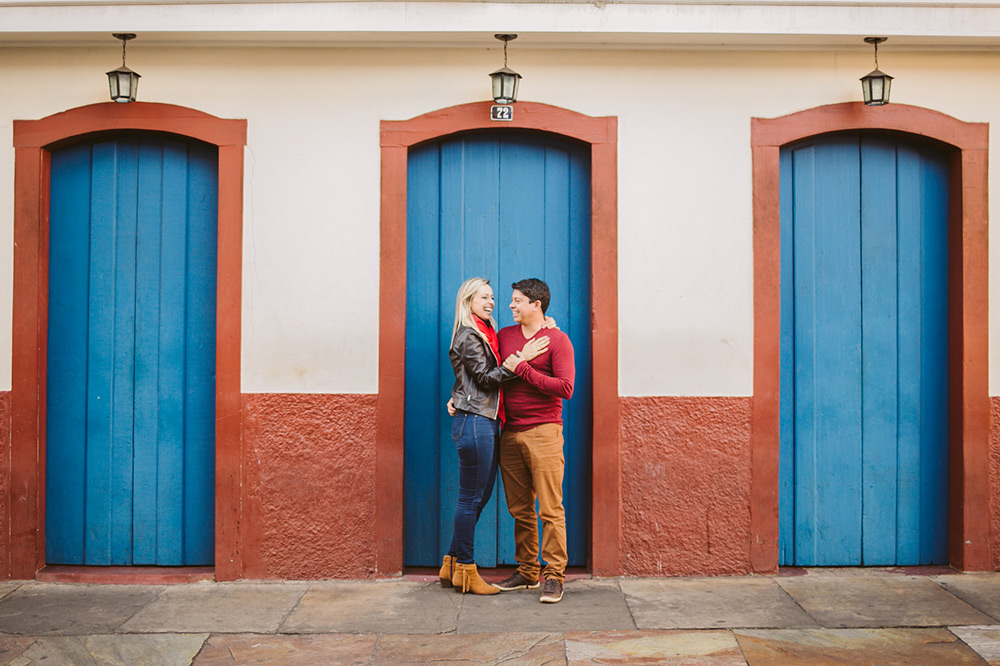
(564, 370)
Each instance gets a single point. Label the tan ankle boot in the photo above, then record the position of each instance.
(470, 581)
(446, 572)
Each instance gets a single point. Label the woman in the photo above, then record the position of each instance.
(475, 358)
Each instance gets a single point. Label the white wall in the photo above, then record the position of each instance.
(311, 243)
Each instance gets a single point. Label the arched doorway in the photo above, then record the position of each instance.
(864, 351)
(397, 139)
(130, 404)
(502, 205)
(969, 416)
(35, 141)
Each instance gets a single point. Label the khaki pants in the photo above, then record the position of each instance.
(532, 464)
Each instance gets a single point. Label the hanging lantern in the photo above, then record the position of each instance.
(875, 84)
(123, 81)
(505, 80)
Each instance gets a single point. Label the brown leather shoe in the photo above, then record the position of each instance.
(552, 592)
(516, 582)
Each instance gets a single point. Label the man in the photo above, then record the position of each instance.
(531, 445)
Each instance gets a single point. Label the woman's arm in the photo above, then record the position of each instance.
(472, 353)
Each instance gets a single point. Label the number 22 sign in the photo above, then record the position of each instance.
(501, 112)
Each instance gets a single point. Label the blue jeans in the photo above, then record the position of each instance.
(476, 438)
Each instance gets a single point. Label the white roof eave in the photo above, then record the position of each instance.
(821, 24)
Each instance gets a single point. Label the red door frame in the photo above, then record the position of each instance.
(34, 141)
(969, 523)
(397, 137)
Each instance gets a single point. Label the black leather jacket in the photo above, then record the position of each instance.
(478, 374)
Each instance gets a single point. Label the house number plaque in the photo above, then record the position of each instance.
(501, 112)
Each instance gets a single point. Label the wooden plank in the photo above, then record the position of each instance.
(170, 447)
(828, 357)
(935, 394)
(126, 208)
(423, 388)
(481, 224)
(522, 241)
(910, 343)
(879, 344)
(100, 352)
(67, 356)
(924, 423)
(147, 353)
(557, 213)
(577, 412)
(199, 360)
(786, 407)
(804, 216)
(451, 273)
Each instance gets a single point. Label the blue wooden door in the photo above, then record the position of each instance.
(130, 424)
(503, 206)
(864, 353)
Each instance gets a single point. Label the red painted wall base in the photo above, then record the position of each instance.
(685, 486)
(994, 507)
(6, 496)
(309, 486)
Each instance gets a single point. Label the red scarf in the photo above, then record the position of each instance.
(491, 337)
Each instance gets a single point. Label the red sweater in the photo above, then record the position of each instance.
(535, 396)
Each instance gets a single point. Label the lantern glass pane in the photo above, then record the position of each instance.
(507, 86)
(122, 85)
(133, 86)
(878, 83)
(497, 87)
(113, 84)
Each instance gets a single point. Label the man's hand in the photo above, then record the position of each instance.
(451, 407)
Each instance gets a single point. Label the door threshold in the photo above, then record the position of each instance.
(66, 573)
(875, 570)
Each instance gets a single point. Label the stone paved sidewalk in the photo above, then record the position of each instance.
(844, 616)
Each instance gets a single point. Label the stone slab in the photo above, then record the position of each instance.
(879, 601)
(117, 650)
(984, 640)
(12, 646)
(7, 588)
(45, 609)
(391, 607)
(268, 649)
(981, 590)
(650, 648)
(218, 608)
(858, 647)
(523, 649)
(587, 605)
(712, 603)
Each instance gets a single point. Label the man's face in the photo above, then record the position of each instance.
(521, 307)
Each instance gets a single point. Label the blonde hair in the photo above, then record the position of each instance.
(463, 307)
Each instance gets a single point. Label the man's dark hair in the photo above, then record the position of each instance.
(535, 290)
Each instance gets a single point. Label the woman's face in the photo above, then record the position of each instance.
(482, 302)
